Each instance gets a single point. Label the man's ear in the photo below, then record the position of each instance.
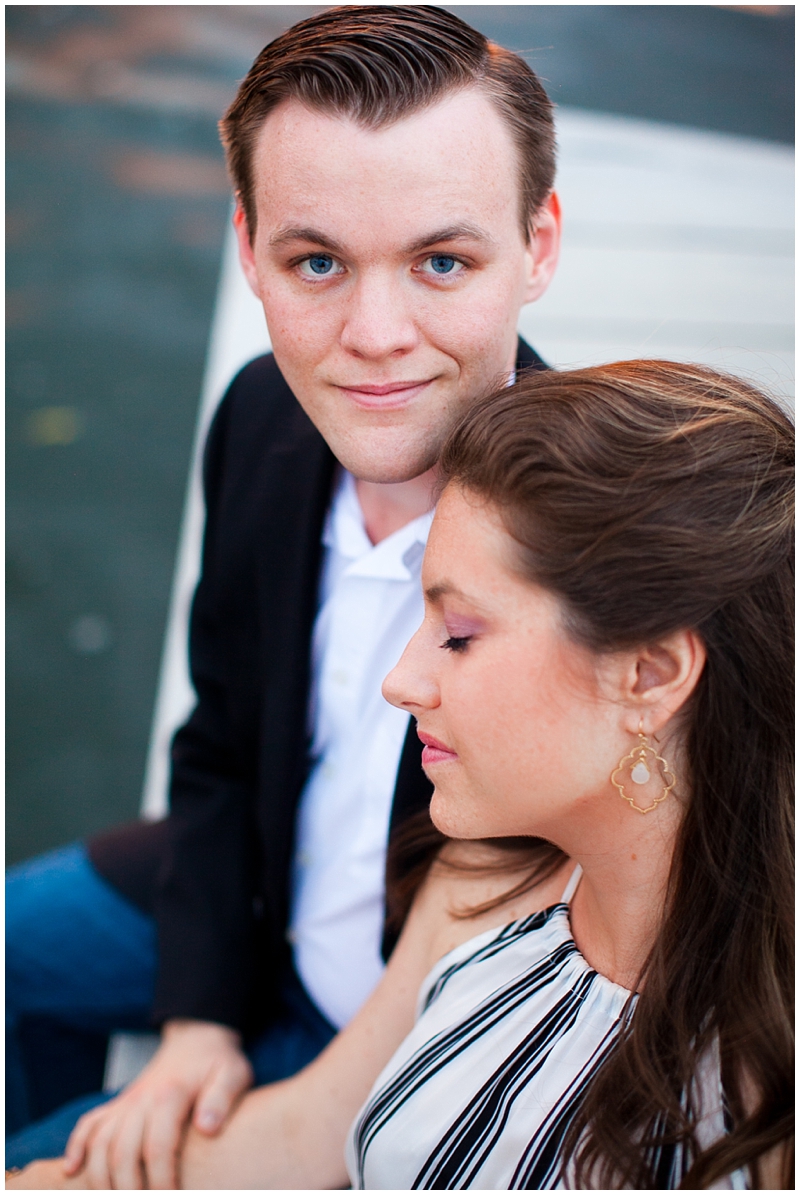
(660, 678)
(246, 255)
(544, 243)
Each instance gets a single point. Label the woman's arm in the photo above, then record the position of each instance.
(291, 1135)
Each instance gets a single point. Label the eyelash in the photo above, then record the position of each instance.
(302, 260)
(454, 643)
(310, 257)
(458, 260)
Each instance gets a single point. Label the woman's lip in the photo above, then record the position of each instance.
(434, 751)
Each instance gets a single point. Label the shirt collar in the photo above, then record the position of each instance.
(396, 558)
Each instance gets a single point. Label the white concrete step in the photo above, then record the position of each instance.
(128, 1054)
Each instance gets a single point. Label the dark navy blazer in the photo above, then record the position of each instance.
(216, 872)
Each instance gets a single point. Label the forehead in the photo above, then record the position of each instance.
(472, 557)
(453, 161)
(467, 539)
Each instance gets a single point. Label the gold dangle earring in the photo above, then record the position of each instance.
(640, 764)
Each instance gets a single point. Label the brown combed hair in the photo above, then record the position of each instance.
(652, 497)
(378, 63)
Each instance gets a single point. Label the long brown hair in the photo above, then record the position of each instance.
(376, 63)
(651, 497)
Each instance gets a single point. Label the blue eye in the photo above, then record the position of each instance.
(442, 265)
(320, 265)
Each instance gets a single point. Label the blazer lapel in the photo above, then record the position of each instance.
(296, 491)
(528, 358)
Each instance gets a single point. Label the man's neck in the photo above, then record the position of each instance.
(387, 507)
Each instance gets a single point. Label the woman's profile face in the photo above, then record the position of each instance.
(520, 729)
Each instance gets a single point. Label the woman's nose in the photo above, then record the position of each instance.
(411, 684)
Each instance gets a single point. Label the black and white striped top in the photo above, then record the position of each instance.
(511, 1027)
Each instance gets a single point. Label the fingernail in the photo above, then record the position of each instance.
(208, 1120)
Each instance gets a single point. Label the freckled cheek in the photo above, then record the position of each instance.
(305, 336)
(470, 332)
(507, 711)
(475, 723)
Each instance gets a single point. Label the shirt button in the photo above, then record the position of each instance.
(340, 677)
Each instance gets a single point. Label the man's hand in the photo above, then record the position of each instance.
(133, 1141)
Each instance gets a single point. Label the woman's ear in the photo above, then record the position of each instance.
(246, 255)
(660, 678)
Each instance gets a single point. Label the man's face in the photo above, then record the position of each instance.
(392, 266)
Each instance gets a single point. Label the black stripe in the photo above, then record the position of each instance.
(540, 1165)
(441, 1050)
(474, 1134)
(508, 935)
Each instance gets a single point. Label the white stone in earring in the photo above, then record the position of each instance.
(640, 773)
(635, 764)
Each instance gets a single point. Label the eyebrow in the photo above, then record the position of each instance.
(435, 593)
(452, 232)
(286, 235)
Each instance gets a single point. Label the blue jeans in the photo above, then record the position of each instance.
(80, 964)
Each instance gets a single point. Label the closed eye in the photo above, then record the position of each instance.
(454, 643)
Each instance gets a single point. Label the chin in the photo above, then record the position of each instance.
(384, 455)
(385, 468)
(447, 816)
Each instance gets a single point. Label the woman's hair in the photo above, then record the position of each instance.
(652, 497)
(377, 63)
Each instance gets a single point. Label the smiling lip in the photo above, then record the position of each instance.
(434, 751)
(390, 394)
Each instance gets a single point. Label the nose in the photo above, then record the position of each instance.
(412, 685)
(378, 322)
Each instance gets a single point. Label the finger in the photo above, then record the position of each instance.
(125, 1151)
(96, 1169)
(163, 1130)
(223, 1087)
(81, 1135)
(85, 1128)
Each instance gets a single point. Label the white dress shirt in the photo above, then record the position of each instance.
(370, 606)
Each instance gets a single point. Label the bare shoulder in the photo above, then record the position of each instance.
(773, 1168)
(451, 906)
